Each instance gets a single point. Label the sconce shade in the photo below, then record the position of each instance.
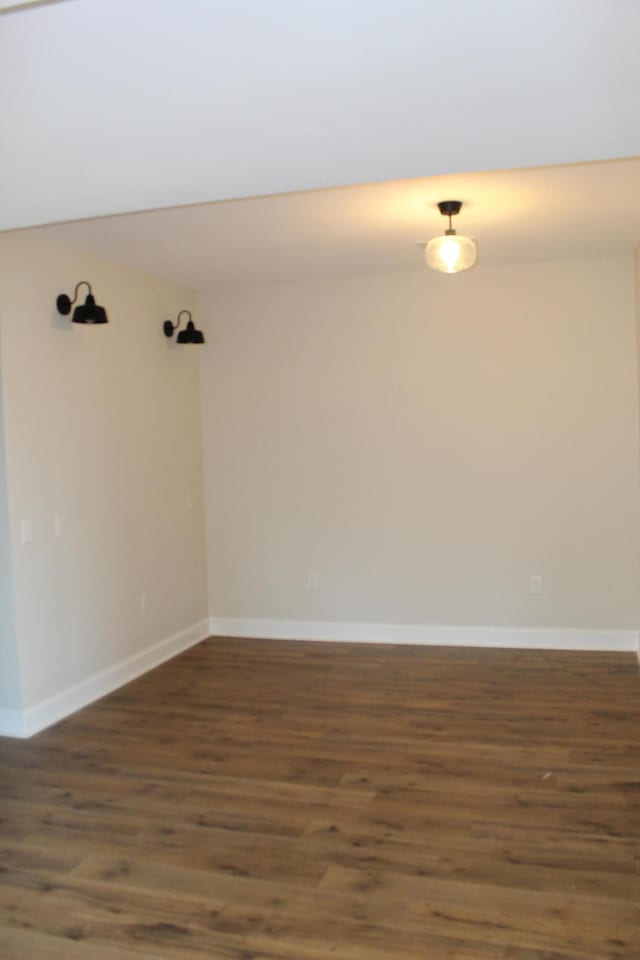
(186, 335)
(87, 312)
(190, 334)
(451, 253)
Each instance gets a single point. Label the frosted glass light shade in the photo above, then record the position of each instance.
(451, 253)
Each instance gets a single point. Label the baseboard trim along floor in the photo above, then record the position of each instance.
(610, 641)
(25, 723)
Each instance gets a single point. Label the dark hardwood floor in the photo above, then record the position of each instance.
(255, 800)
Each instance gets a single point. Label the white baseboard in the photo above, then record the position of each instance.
(617, 641)
(27, 722)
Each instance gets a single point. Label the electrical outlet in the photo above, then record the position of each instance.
(57, 525)
(142, 603)
(535, 584)
(26, 530)
(313, 580)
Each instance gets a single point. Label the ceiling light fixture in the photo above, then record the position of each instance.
(190, 334)
(87, 312)
(451, 253)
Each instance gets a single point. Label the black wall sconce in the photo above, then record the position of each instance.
(87, 312)
(190, 334)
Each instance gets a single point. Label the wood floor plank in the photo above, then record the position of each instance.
(19, 943)
(550, 867)
(507, 917)
(258, 800)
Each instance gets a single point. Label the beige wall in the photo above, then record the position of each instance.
(423, 444)
(420, 444)
(102, 427)
(10, 694)
(637, 278)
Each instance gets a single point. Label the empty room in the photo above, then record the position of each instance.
(319, 480)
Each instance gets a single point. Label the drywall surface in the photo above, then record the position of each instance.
(10, 696)
(118, 106)
(103, 464)
(413, 448)
(637, 271)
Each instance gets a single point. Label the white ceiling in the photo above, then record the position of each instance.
(574, 211)
(19, 4)
(110, 106)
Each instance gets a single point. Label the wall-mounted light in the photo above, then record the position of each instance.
(87, 312)
(190, 334)
(451, 253)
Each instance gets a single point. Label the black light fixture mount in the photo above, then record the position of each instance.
(450, 208)
(190, 334)
(87, 312)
